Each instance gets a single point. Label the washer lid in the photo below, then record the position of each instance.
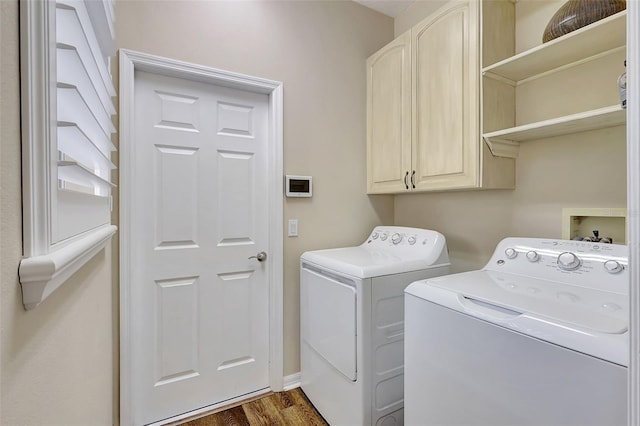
(590, 321)
(366, 262)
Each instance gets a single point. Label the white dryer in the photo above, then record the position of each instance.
(352, 322)
(537, 337)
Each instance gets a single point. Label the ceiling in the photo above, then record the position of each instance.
(389, 7)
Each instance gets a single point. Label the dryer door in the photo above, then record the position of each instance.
(329, 320)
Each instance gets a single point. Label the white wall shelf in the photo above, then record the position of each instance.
(505, 142)
(600, 37)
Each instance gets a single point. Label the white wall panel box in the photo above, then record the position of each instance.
(298, 186)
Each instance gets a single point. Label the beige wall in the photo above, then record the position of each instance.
(318, 50)
(56, 364)
(577, 171)
(582, 170)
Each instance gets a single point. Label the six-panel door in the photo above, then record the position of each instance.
(200, 305)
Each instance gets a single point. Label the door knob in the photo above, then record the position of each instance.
(262, 256)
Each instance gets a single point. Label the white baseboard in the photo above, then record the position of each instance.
(291, 381)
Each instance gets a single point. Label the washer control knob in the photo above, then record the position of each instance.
(613, 266)
(384, 236)
(412, 240)
(511, 253)
(375, 235)
(568, 261)
(396, 238)
(533, 256)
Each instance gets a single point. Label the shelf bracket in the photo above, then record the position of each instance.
(502, 147)
(500, 78)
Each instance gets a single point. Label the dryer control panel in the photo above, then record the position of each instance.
(401, 236)
(584, 264)
(407, 243)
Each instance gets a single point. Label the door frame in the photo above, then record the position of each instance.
(633, 205)
(131, 61)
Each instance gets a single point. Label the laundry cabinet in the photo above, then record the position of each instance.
(389, 117)
(424, 109)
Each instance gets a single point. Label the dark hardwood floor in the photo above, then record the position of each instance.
(280, 408)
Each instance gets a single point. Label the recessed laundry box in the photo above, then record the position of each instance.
(352, 322)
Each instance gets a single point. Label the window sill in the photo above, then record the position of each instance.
(41, 275)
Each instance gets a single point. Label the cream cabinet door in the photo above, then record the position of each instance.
(389, 117)
(445, 80)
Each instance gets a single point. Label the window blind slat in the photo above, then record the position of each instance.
(71, 171)
(104, 145)
(103, 24)
(77, 99)
(110, 5)
(71, 70)
(70, 31)
(74, 143)
(73, 109)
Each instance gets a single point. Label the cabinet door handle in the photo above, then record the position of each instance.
(406, 185)
(413, 179)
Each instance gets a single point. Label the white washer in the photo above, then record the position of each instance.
(352, 322)
(537, 337)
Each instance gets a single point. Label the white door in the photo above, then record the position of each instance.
(199, 303)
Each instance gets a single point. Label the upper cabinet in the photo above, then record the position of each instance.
(423, 109)
(445, 116)
(389, 117)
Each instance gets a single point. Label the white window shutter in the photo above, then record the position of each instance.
(68, 111)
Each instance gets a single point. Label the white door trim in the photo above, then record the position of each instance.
(130, 62)
(633, 203)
